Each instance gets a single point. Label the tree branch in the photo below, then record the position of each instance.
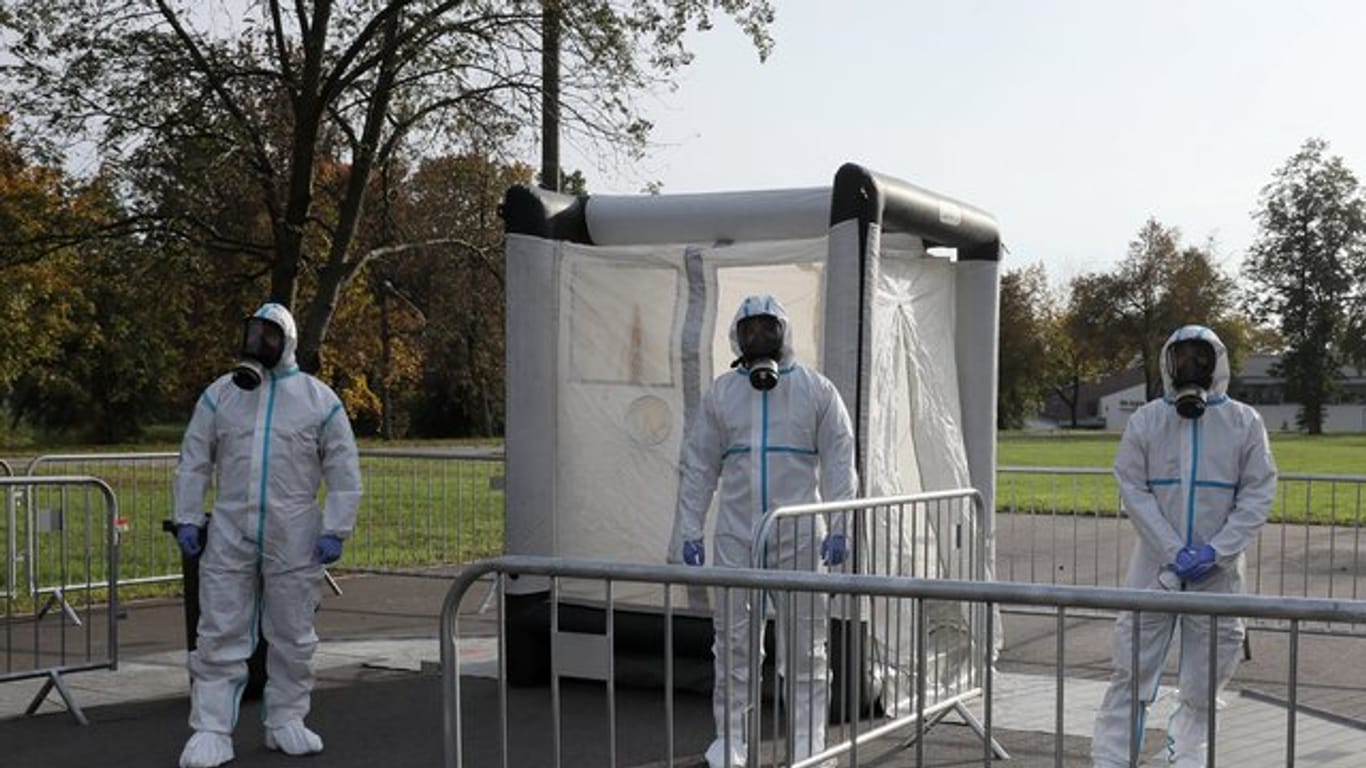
(229, 103)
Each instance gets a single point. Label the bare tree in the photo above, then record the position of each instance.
(284, 92)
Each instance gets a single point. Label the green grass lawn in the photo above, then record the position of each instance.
(1299, 499)
(428, 511)
(1295, 453)
(417, 511)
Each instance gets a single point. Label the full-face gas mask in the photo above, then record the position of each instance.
(1191, 364)
(263, 344)
(761, 344)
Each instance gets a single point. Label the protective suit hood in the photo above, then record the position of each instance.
(1218, 389)
(277, 314)
(763, 304)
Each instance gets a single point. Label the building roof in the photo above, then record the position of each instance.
(1257, 369)
(1089, 395)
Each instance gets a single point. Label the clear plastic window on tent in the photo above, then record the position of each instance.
(621, 324)
(798, 286)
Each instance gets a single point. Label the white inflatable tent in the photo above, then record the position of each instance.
(617, 314)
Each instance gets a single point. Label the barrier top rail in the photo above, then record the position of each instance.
(69, 457)
(854, 505)
(23, 482)
(1056, 470)
(1311, 476)
(475, 454)
(1004, 592)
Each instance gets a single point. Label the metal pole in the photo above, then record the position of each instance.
(550, 95)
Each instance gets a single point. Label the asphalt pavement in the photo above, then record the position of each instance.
(378, 699)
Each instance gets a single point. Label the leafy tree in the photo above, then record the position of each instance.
(1026, 312)
(278, 92)
(101, 344)
(31, 195)
(1145, 318)
(1160, 286)
(454, 283)
(1082, 345)
(1307, 266)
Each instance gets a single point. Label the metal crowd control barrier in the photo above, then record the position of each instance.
(931, 535)
(63, 530)
(143, 484)
(426, 510)
(492, 736)
(1060, 525)
(421, 510)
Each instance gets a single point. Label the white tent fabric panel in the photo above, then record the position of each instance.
(532, 376)
(841, 361)
(915, 444)
(620, 397)
(620, 406)
(792, 270)
(978, 289)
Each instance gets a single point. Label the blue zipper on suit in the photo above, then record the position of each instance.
(763, 453)
(1195, 474)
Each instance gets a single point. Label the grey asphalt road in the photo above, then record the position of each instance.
(372, 715)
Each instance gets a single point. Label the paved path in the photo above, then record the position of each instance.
(378, 701)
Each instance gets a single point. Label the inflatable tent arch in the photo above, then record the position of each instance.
(617, 314)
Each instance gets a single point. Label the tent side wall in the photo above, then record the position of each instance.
(534, 221)
(875, 203)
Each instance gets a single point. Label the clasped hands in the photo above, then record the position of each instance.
(833, 550)
(1194, 563)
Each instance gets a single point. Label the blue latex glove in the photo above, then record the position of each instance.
(1194, 563)
(694, 552)
(834, 549)
(328, 549)
(187, 536)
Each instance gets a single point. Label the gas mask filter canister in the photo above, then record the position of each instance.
(763, 374)
(248, 374)
(1190, 402)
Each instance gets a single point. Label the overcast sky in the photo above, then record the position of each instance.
(1071, 121)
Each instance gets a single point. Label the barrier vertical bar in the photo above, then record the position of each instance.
(1059, 682)
(1292, 687)
(669, 673)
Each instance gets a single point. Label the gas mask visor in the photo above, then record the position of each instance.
(263, 344)
(761, 344)
(1191, 365)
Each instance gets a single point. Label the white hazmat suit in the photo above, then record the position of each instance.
(791, 444)
(1185, 482)
(270, 448)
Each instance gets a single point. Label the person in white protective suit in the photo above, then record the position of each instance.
(773, 433)
(272, 434)
(1197, 480)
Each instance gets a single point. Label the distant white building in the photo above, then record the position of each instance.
(1255, 386)
(1117, 406)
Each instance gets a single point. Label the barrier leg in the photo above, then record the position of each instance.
(332, 583)
(55, 597)
(969, 719)
(54, 680)
(976, 725)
